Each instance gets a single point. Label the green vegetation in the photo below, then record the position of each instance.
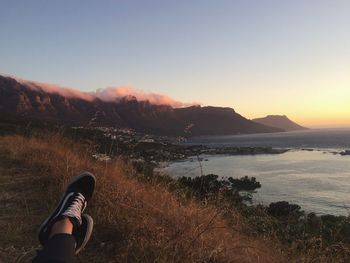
(142, 216)
(209, 186)
(303, 237)
(325, 238)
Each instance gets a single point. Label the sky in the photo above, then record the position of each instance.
(258, 57)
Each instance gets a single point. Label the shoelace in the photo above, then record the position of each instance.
(76, 208)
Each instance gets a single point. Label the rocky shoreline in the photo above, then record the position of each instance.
(154, 149)
(160, 152)
(346, 152)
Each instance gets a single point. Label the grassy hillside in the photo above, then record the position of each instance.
(137, 219)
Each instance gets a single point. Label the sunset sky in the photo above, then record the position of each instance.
(259, 57)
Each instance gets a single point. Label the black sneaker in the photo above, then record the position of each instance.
(83, 233)
(72, 204)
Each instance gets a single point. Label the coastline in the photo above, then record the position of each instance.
(316, 180)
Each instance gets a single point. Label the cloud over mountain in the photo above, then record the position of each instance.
(113, 93)
(38, 102)
(106, 94)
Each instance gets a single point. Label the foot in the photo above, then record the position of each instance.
(71, 206)
(83, 233)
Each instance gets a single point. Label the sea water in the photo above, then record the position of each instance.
(312, 174)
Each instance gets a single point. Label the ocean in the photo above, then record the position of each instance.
(312, 174)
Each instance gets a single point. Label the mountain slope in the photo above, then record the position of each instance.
(19, 99)
(281, 122)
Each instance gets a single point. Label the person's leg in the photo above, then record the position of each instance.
(66, 231)
(60, 248)
(63, 243)
(63, 226)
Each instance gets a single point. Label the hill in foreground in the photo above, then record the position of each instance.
(137, 219)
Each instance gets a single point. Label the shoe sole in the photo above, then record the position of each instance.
(89, 228)
(60, 205)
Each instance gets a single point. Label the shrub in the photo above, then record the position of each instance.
(235, 189)
(284, 209)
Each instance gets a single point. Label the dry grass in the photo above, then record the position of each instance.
(135, 221)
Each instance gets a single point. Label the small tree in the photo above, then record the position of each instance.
(209, 185)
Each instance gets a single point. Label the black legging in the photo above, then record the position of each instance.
(58, 249)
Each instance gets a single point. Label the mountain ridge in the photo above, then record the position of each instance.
(281, 122)
(20, 100)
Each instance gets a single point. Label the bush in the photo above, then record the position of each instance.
(202, 186)
(284, 209)
(209, 185)
(244, 184)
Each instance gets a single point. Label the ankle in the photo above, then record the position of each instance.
(63, 226)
